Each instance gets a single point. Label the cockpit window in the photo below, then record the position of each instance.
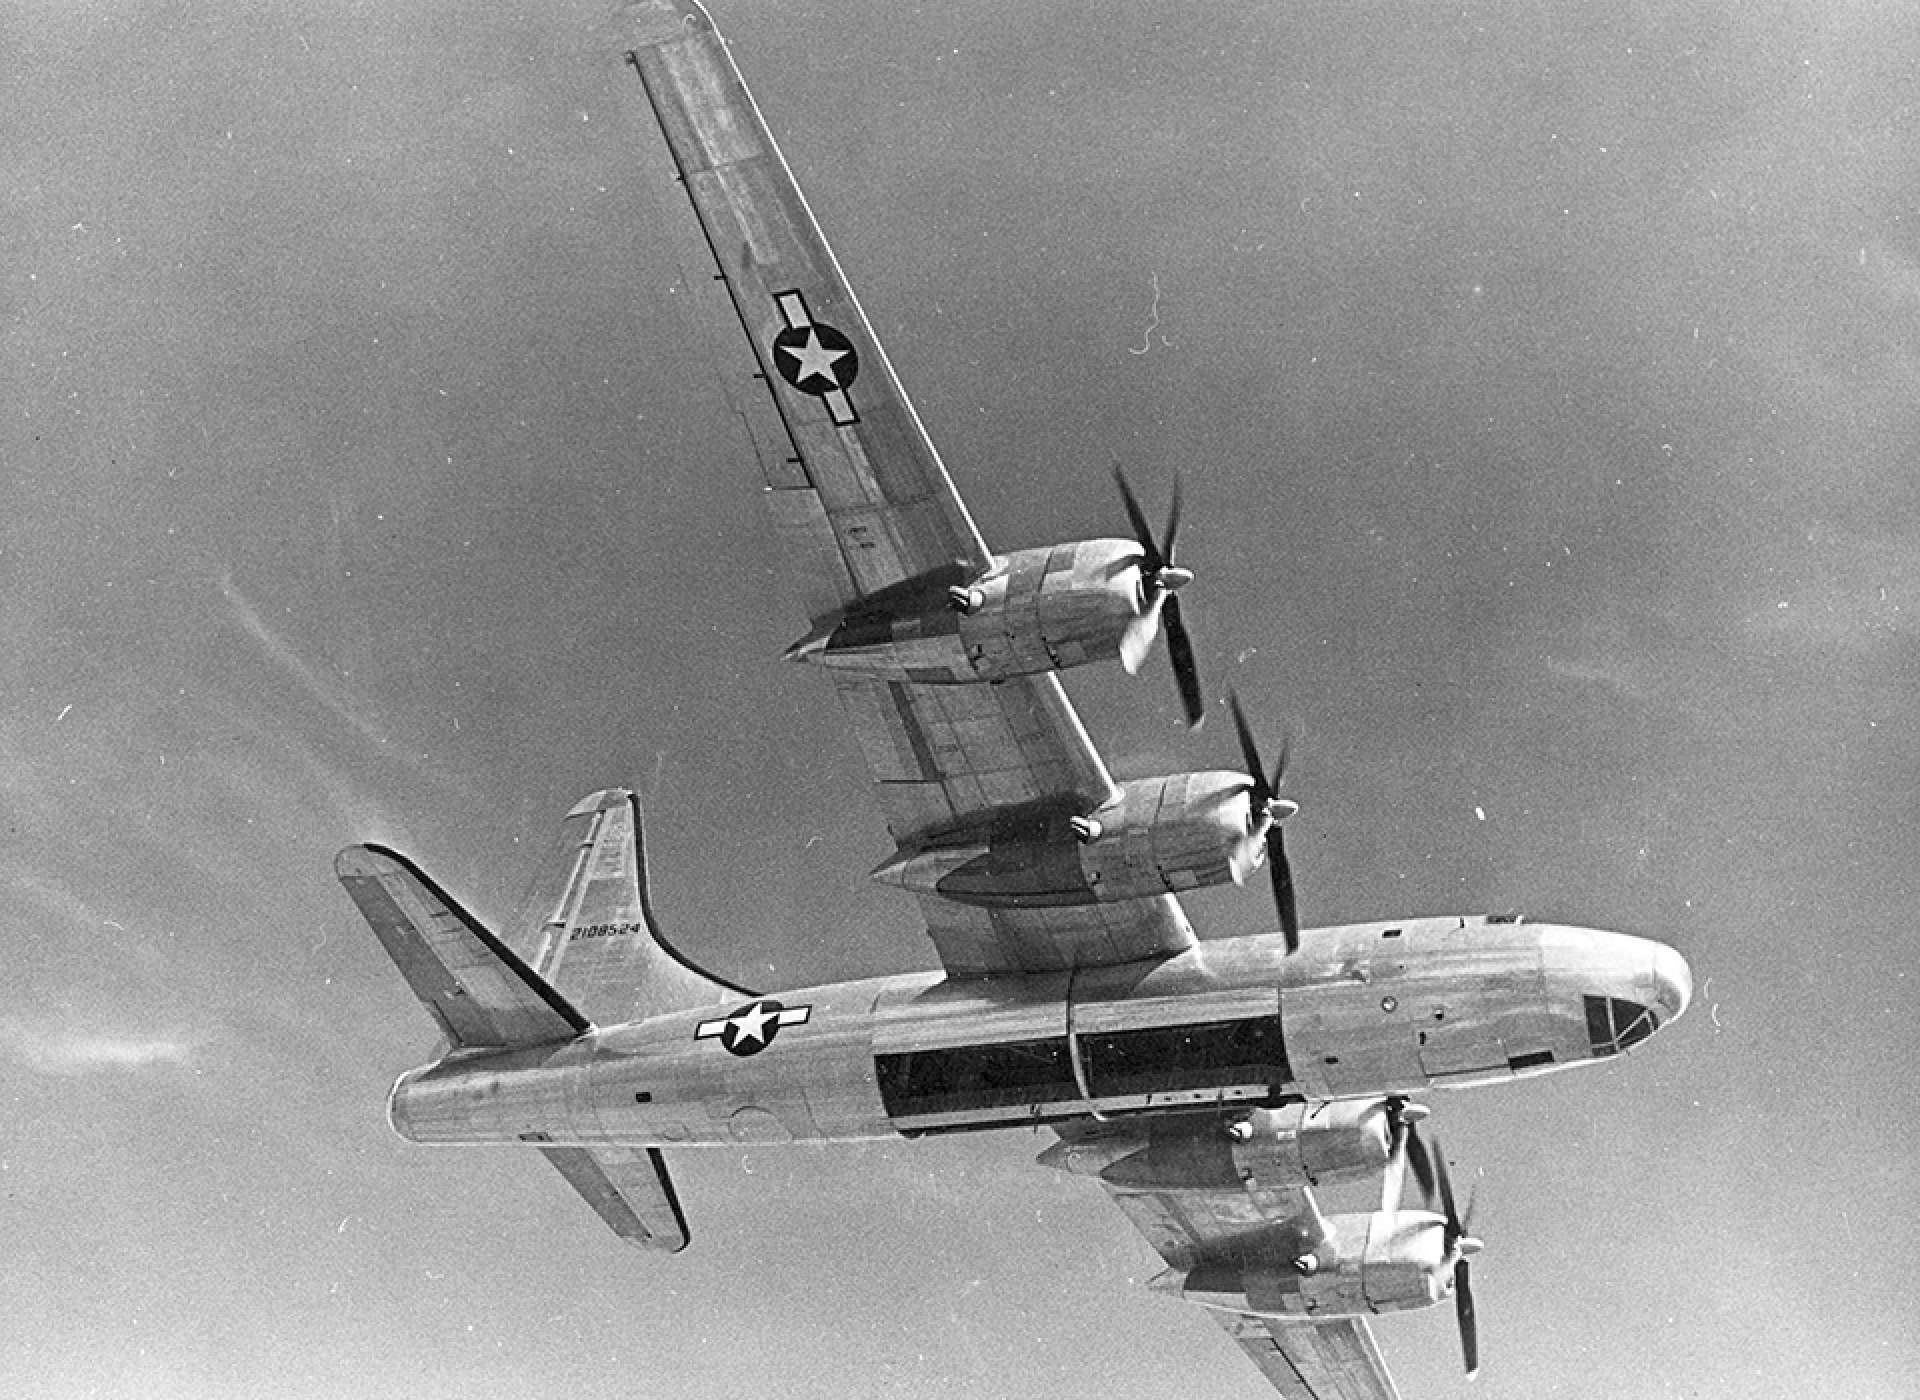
(1631, 1031)
(1613, 1025)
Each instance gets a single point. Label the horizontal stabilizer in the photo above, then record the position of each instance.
(627, 1188)
(472, 984)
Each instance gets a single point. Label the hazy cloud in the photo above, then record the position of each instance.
(59, 1050)
(320, 687)
(53, 897)
(1611, 673)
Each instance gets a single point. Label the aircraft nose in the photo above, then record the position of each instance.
(1672, 981)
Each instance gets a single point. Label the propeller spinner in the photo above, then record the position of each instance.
(1273, 810)
(1160, 581)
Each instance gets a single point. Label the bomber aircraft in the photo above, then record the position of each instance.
(1209, 1087)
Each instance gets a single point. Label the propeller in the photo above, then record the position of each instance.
(1161, 579)
(1408, 1142)
(1459, 1246)
(1268, 807)
(1406, 1145)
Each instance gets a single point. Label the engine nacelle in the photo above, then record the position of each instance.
(1269, 1149)
(1159, 835)
(1383, 1261)
(1345, 1140)
(1035, 610)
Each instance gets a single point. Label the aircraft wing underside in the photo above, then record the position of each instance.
(871, 520)
(1332, 1359)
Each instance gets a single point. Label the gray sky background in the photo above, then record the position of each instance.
(1543, 379)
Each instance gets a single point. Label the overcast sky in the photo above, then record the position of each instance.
(1544, 383)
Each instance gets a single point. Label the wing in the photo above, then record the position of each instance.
(1332, 1360)
(869, 516)
(1197, 1210)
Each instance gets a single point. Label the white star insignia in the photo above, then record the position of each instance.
(815, 358)
(751, 1029)
(751, 1024)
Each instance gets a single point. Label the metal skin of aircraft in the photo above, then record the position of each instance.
(1209, 1087)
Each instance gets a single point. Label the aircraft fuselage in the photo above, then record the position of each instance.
(1364, 1009)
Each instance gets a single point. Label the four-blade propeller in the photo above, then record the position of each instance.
(1160, 580)
(1266, 807)
(1407, 1150)
(1458, 1247)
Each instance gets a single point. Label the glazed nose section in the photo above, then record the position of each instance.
(1672, 982)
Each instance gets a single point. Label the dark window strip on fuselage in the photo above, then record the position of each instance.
(1160, 1059)
(971, 1077)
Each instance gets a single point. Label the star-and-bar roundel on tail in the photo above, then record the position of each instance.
(874, 526)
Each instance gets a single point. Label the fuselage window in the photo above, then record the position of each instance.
(970, 1077)
(1214, 1055)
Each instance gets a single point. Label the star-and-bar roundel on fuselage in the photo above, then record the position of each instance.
(815, 358)
(752, 1028)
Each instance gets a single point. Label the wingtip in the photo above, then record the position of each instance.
(355, 862)
(600, 801)
(648, 22)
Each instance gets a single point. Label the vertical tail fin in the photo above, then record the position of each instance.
(591, 931)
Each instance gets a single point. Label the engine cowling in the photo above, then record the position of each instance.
(1035, 610)
(1344, 1140)
(1161, 834)
(1381, 1261)
(1269, 1149)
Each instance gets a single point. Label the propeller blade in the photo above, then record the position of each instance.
(1445, 1183)
(1280, 768)
(1143, 532)
(1393, 1177)
(1173, 524)
(1137, 640)
(1250, 751)
(1463, 1314)
(1457, 1244)
(1421, 1162)
(1283, 887)
(1180, 652)
(1158, 581)
(1260, 796)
